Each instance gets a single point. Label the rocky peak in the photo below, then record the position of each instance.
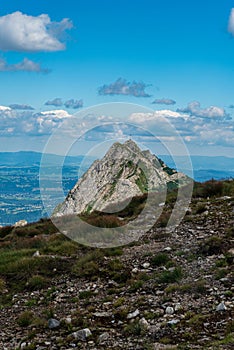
(124, 172)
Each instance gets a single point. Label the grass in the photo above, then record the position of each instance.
(170, 276)
(37, 282)
(86, 294)
(159, 259)
(25, 319)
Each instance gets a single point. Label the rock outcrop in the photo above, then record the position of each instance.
(124, 172)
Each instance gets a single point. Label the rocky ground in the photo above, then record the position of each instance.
(170, 290)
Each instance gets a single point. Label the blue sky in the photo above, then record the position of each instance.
(177, 54)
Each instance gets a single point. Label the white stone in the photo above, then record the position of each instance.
(144, 323)
(133, 314)
(36, 254)
(167, 249)
(21, 223)
(135, 270)
(169, 310)
(146, 265)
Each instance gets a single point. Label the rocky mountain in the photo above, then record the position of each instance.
(124, 172)
(168, 290)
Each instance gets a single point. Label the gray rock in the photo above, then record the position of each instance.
(82, 334)
(173, 322)
(144, 323)
(133, 314)
(103, 337)
(146, 265)
(221, 307)
(102, 314)
(53, 323)
(36, 254)
(124, 172)
(169, 310)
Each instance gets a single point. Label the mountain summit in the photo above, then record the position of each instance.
(124, 172)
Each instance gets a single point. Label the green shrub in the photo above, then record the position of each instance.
(2, 285)
(37, 282)
(159, 259)
(86, 294)
(88, 265)
(134, 328)
(201, 208)
(170, 276)
(211, 246)
(25, 319)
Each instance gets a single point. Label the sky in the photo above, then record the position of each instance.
(175, 58)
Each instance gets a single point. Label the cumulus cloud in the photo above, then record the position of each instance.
(21, 107)
(213, 112)
(57, 102)
(55, 114)
(154, 116)
(25, 66)
(23, 33)
(164, 101)
(123, 87)
(74, 104)
(28, 123)
(231, 22)
(4, 108)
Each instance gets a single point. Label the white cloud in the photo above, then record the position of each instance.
(4, 108)
(155, 116)
(231, 22)
(13, 123)
(56, 114)
(25, 66)
(24, 33)
(213, 112)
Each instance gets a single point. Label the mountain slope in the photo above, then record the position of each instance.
(124, 172)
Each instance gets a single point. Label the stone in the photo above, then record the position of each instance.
(135, 270)
(82, 334)
(178, 307)
(146, 265)
(68, 320)
(102, 314)
(167, 249)
(21, 223)
(103, 337)
(133, 314)
(169, 310)
(53, 323)
(144, 323)
(221, 307)
(36, 254)
(173, 322)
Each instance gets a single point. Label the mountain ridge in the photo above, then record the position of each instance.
(123, 173)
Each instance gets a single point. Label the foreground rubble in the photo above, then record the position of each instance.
(170, 290)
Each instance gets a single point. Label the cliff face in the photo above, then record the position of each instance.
(124, 172)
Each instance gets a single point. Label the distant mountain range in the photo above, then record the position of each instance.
(204, 167)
